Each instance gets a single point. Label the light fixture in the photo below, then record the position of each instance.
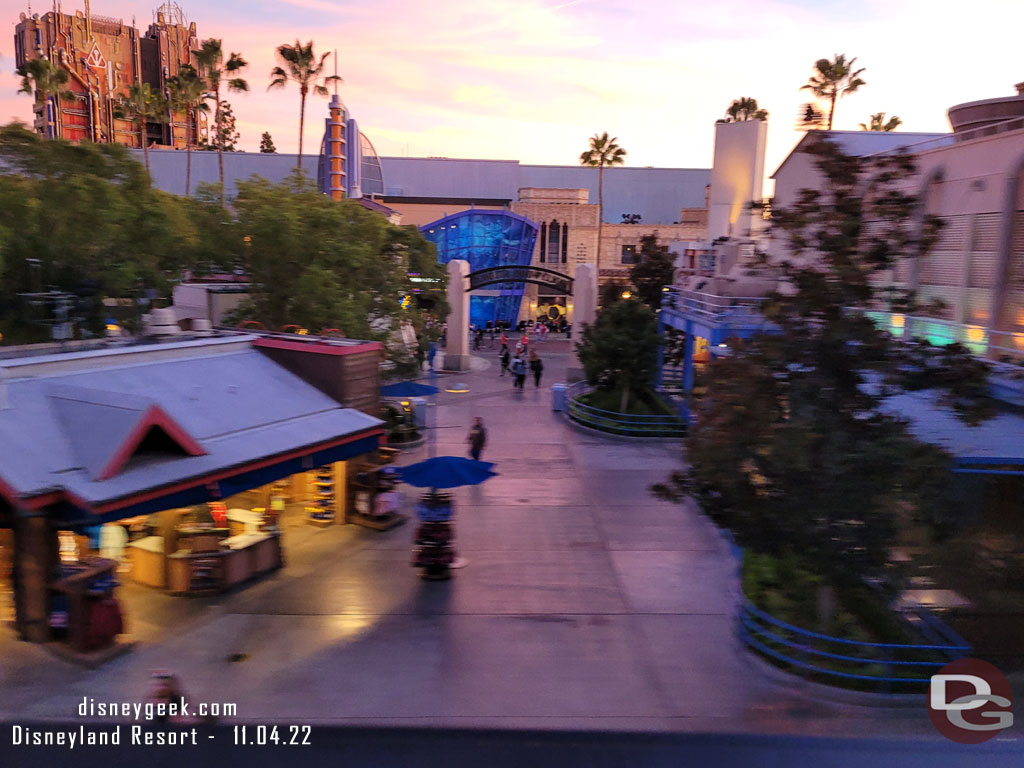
(458, 386)
(627, 295)
(723, 344)
(664, 289)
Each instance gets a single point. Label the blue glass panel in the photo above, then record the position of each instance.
(486, 239)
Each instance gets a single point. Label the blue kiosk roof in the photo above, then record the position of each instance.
(998, 441)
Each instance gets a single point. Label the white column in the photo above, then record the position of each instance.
(584, 312)
(457, 357)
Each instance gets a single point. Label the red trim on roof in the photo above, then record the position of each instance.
(223, 474)
(53, 497)
(318, 347)
(154, 416)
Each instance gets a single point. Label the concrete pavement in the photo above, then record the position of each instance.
(586, 604)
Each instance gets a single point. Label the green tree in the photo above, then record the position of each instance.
(321, 263)
(620, 350)
(220, 74)
(225, 136)
(603, 152)
(46, 80)
(743, 109)
(834, 79)
(795, 449)
(654, 269)
(186, 95)
(267, 144)
(83, 218)
(143, 105)
(303, 68)
(877, 122)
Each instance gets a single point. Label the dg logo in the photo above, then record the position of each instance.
(970, 701)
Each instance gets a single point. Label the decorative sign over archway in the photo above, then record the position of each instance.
(549, 278)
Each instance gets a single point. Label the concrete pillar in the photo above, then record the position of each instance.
(457, 357)
(35, 556)
(584, 312)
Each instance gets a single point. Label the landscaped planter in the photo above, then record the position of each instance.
(623, 424)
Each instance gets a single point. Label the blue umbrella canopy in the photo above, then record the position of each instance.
(408, 389)
(446, 472)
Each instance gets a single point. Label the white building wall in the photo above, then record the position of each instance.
(737, 177)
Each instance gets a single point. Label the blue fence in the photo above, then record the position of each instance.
(627, 424)
(839, 660)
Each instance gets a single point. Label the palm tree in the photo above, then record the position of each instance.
(603, 151)
(218, 73)
(744, 108)
(834, 79)
(877, 122)
(301, 66)
(186, 91)
(143, 105)
(46, 80)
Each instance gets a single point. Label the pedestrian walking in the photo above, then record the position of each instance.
(537, 332)
(431, 354)
(478, 338)
(536, 366)
(477, 439)
(519, 371)
(504, 340)
(504, 356)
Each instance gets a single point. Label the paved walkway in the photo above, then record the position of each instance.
(586, 603)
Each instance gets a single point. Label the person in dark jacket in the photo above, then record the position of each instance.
(536, 366)
(477, 439)
(504, 356)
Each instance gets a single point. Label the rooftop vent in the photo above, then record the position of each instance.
(161, 323)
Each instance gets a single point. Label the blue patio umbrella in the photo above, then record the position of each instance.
(446, 472)
(407, 389)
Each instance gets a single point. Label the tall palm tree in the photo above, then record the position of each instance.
(744, 108)
(603, 151)
(834, 79)
(877, 122)
(47, 81)
(302, 67)
(143, 105)
(186, 95)
(218, 74)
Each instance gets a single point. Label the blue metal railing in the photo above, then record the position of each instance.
(636, 425)
(882, 663)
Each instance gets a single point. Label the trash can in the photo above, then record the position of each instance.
(419, 412)
(558, 397)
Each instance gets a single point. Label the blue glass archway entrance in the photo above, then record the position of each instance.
(487, 239)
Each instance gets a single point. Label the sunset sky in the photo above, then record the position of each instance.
(533, 79)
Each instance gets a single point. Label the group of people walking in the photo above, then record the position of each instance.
(521, 363)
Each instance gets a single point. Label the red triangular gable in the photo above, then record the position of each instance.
(154, 418)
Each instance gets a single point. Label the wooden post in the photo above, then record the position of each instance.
(340, 493)
(35, 557)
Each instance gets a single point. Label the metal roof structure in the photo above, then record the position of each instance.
(74, 427)
(996, 442)
(864, 143)
(657, 194)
